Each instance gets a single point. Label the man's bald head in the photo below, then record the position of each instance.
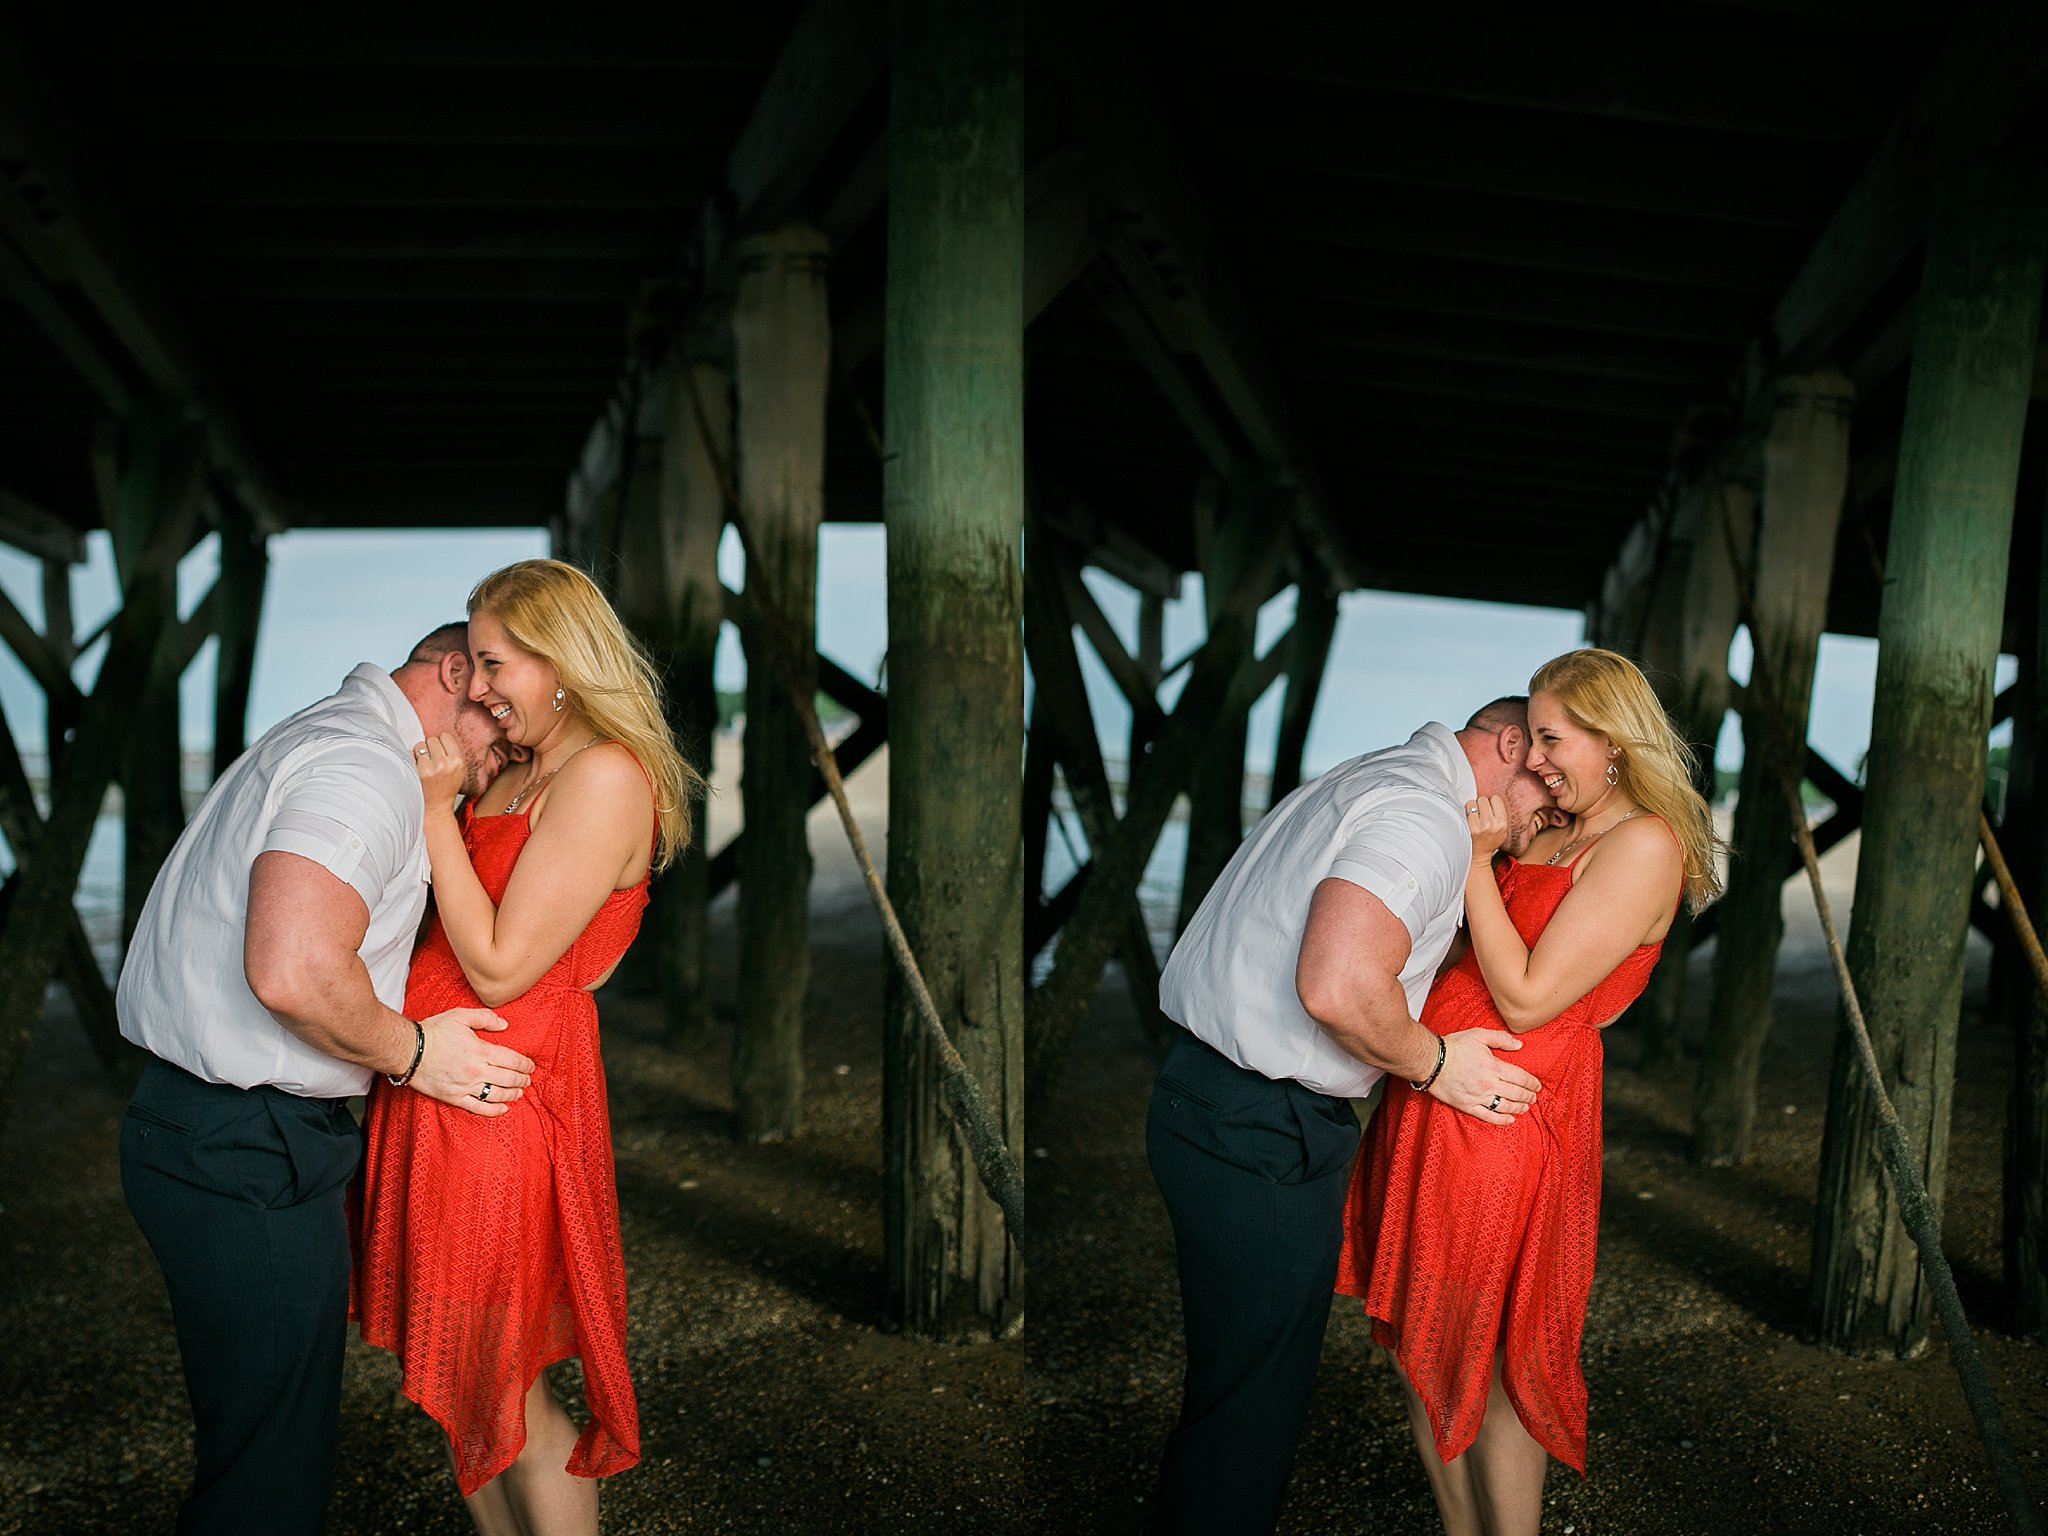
(436, 643)
(1510, 709)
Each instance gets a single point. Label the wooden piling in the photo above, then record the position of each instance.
(32, 942)
(692, 521)
(782, 339)
(244, 571)
(1720, 515)
(1806, 471)
(152, 802)
(1216, 790)
(1308, 656)
(954, 507)
(1975, 331)
(2025, 1231)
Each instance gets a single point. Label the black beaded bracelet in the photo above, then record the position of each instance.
(419, 1050)
(1421, 1087)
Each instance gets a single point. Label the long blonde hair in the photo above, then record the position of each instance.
(554, 610)
(1603, 692)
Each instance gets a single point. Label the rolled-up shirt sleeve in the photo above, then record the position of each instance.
(345, 806)
(1407, 851)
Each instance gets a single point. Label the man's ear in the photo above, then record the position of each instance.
(1514, 745)
(454, 672)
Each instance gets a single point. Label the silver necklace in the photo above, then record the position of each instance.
(528, 789)
(1584, 836)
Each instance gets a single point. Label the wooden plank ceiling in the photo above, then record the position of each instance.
(1494, 267)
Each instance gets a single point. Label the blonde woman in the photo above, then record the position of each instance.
(1472, 1244)
(490, 1247)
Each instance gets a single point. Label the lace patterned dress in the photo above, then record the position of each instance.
(489, 1247)
(1461, 1235)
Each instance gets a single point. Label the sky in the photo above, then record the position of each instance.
(336, 598)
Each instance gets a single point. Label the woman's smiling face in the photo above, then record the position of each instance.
(514, 684)
(1571, 760)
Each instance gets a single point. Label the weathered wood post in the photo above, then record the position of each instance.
(692, 520)
(782, 339)
(631, 553)
(954, 506)
(1308, 656)
(60, 634)
(2026, 1125)
(1720, 514)
(33, 938)
(244, 570)
(149, 442)
(1216, 791)
(1938, 633)
(1806, 472)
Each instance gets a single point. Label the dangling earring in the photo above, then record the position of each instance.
(1613, 772)
(560, 695)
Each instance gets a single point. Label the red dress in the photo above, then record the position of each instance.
(489, 1247)
(1461, 1235)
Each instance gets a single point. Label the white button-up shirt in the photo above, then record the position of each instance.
(1391, 822)
(334, 784)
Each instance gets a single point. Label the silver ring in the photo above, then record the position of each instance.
(484, 1093)
(419, 751)
(1493, 1108)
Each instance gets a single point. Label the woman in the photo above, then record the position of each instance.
(490, 1246)
(1472, 1244)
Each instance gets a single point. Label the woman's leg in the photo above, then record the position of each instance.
(1506, 1466)
(1457, 1502)
(538, 1494)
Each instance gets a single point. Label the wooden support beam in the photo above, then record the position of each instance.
(1221, 679)
(691, 520)
(1546, 68)
(1494, 291)
(1308, 656)
(2025, 832)
(1990, 74)
(69, 235)
(781, 367)
(35, 531)
(1938, 640)
(1070, 736)
(1164, 246)
(1231, 537)
(1512, 236)
(32, 940)
(244, 572)
(77, 968)
(953, 475)
(1806, 469)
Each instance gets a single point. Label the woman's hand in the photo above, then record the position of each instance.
(1487, 820)
(442, 772)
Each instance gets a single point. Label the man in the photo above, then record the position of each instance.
(1298, 983)
(265, 978)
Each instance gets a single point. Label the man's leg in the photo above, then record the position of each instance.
(1253, 1174)
(240, 1196)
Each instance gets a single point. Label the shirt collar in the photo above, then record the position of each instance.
(1459, 766)
(389, 700)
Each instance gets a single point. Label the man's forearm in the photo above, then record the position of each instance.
(334, 1009)
(1378, 1029)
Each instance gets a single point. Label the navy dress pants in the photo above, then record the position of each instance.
(240, 1193)
(1253, 1173)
